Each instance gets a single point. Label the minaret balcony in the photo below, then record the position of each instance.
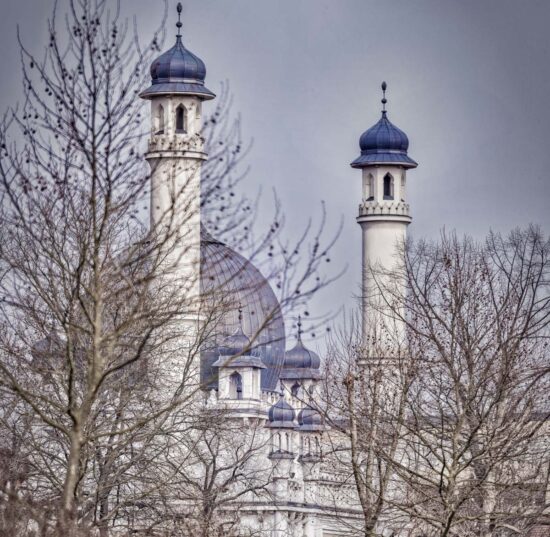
(386, 208)
(177, 142)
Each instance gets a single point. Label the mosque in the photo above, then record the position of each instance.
(263, 382)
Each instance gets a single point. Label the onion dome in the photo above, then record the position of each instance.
(309, 419)
(300, 362)
(227, 274)
(238, 342)
(299, 356)
(178, 71)
(384, 143)
(236, 351)
(281, 414)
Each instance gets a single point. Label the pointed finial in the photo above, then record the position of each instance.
(179, 24)
(384, 100)
(299, 327)
(240, 314)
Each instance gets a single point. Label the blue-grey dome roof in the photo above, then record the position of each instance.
(226, 273)
(236, 351)
(281, 415)
(384, 143)
(178, 71)
(309, 419)
(300, 357)
(236, 343)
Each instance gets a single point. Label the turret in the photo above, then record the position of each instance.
(239, 372)
(310, 429)
(300, 370)
(383, 216)
(282, 455)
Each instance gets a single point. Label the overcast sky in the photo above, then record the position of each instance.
(468, 81)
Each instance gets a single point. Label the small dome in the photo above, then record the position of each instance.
(384, 136)
(310, 420)
(299, 357)
(178, 71)
(281, 415)
(384, 143)
(236, 343)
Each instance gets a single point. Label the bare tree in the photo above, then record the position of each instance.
(477, 460)
(364, 401)
(97, 369)
(449, 436)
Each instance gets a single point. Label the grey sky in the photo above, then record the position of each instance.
(468, 82)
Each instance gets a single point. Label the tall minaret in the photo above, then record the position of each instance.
(383, 217)
(176, 153)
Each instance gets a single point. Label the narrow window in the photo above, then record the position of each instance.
(181, 119)
(235, 386)
(295, 388)
(160, 120)
(403, 187)
(370, 188)
(388, 187)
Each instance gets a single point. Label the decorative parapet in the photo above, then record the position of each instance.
(384, 208)
(161, 142)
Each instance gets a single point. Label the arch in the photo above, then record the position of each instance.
(287, 442)
(369, 188)
(159, 120)
(295, 389)
(317, 446)
(235, 386)
(181, 119)
(402, 189)
(388, 186)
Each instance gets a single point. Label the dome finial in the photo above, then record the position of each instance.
(384, 100)
(299, 337)
(179, 24)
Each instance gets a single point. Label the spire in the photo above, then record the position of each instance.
(179, 24)
(240, 328)
(299, 336)
(384, 100)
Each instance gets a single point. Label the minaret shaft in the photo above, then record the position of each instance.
(384, 217)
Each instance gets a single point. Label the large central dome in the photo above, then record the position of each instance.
(229, 277)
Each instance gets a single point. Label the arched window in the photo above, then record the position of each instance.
(317, 446)
(403, 187)
(369, 188)
(181, 119)
(295, 389)
(159, 120)
(235, 386)
(388, 187)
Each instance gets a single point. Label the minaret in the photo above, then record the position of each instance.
(383, 216)
(176, 153)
